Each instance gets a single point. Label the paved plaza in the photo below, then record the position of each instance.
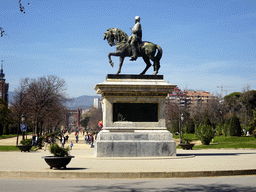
(187, 163)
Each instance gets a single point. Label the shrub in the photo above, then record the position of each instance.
(222, 129)
(252, 126)
(226, 130)
(26, 142)
(207, 121)
(205, 134)
(235, 127)
(219, 128)
(186, 139)
(190, 127)
(57, 151)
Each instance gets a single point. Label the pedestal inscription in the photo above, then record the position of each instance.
(134, 117)
(135, 112)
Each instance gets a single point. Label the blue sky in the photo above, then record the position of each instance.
(206, 43)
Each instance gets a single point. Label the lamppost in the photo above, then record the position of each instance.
(23, 122)
(181, 118)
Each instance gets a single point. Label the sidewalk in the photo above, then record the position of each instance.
(187, 163)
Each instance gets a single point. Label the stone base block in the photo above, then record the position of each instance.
(135, 148)
(135, 145)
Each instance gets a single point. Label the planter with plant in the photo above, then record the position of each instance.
(186, 144)
(25, 145)
(60, 157)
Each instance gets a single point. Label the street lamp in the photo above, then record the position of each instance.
(182, 119)
(23, 121)
(23, 118)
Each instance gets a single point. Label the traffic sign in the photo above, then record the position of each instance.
(23, 127)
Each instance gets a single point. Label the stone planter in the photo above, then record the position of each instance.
(24, 147)
(186, 146)
(57, 162)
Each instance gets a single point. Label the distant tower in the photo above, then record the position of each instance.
(3, 86)
(96, 103)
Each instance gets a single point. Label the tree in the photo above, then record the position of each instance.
(252, 126)
(235, 127)
(207, 121)
(84, 121)
(232, 102)
(190, 126)
(173, 111)
(95, 115)
(172, 115)
(4, 115)
(42, 101)
(22, 9)
(248, 99)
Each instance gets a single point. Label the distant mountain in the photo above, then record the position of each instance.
(83, 102)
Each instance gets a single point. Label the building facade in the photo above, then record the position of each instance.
(178, 97)
(190, 98)
(199, 96)
(4, 87)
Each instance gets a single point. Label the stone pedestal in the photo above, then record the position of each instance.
(134, 117)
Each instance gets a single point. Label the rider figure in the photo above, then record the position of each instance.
(135, 38)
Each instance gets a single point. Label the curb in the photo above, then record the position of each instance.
(122, 175)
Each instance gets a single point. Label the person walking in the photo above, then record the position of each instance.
(86, 139)
(33, 139)
(46, 142)
(77, 138)
(36, 140)
(92, 140)
(71, 145)
(62, 141)
(66, 138)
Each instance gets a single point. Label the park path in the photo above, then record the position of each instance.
(80, 145)
(76, 146)
(12, 141)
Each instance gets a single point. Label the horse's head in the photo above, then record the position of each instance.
(110, 37)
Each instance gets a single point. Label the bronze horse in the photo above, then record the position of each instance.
(147, 51)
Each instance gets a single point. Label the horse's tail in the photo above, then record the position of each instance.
(159, 52)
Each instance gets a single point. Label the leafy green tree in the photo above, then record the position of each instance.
(248, 99)
(190, 126)
(233, 103)
(207, 121)
(235, 127)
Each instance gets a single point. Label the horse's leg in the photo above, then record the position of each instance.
(109, 58)
(156, 64)
(120, 64)
(147, 61)
(113, 54)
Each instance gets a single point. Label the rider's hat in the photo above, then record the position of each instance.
(137, 18)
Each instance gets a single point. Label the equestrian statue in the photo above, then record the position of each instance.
(133, 47)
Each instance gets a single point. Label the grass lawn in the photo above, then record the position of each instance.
(8, 136)
(13, 148)
(8, 148)
(222, 142)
